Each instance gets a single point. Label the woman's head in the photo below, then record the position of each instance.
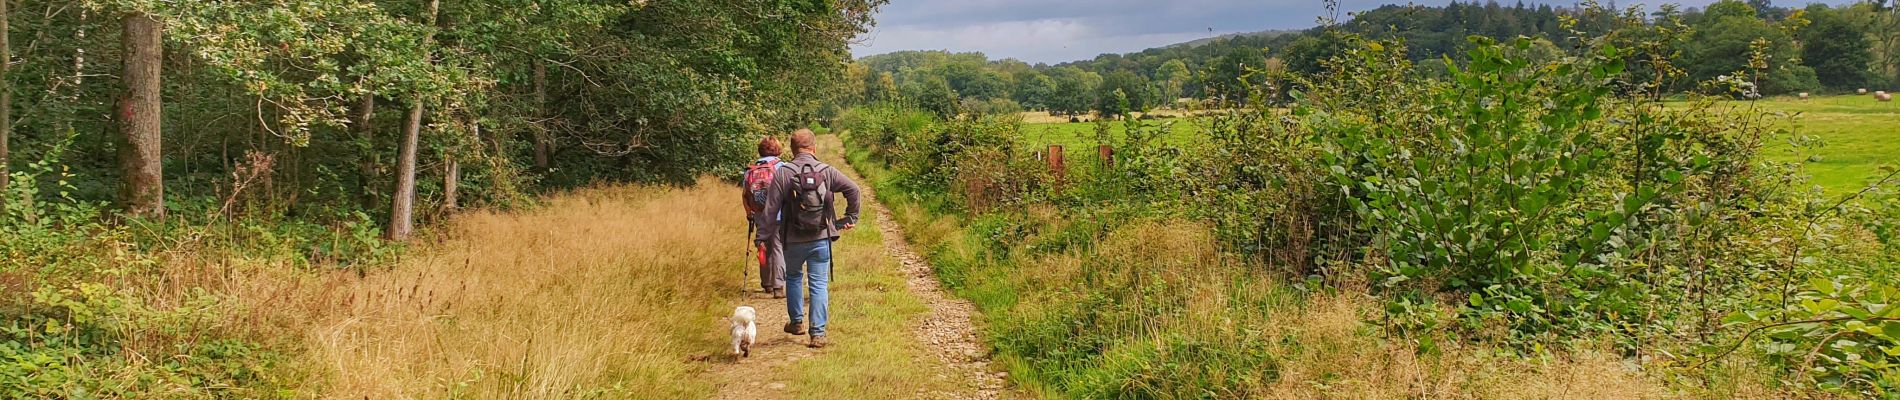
(769, 147)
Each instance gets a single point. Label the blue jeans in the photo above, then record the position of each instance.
(811, 259)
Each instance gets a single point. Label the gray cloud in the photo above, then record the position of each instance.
(1055, 31)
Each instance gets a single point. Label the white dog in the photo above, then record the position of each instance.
(744, 332)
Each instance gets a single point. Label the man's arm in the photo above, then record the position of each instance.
(843, 185)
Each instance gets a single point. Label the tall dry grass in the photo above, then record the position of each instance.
(601, 293)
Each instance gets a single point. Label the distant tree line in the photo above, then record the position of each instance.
(1816, 48)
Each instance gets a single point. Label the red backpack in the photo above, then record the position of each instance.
(758, 177)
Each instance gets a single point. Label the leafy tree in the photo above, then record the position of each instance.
(1036, 90)
(1075, 90)
(1725, 45)
(1225, 80)
(1173, 77)
(1123, 89)
(1730, 9)
(885, 89)
(933, 94)
(986, 84)
(1835, 48)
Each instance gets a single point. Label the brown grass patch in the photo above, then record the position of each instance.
(603, 292)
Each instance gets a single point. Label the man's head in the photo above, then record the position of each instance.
(804, 142)
(769, 147)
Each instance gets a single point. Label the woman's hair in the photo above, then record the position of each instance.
(769, 147)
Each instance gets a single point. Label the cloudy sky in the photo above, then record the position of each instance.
(1054, 31)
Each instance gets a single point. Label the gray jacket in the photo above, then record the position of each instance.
(781, 198)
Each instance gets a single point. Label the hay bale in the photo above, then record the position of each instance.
(1884, 97)
(1860, 91)
(1804, 95)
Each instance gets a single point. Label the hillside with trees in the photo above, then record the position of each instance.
(1815, 48)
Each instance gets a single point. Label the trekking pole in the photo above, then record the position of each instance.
(745, 269)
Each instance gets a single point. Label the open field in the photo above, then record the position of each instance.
(1081, 135)
(1854, 135)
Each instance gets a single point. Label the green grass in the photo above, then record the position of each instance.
(1856, 134)
(1079, 136)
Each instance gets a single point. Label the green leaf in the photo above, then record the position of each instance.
(1821, 306)
(1823, 285)
(1477, 300)
(1518, 305)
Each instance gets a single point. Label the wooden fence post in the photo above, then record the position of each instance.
(1105, 154)
(1055, 160)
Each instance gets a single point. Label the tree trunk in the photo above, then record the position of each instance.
(452, 176)
(540, 116)
(139, 111)
(402, 222)
(451, 183)
(6, 100)
(366, 165)
(401, 211)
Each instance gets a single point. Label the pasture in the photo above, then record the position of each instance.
(1852, 137)
(1841, 140)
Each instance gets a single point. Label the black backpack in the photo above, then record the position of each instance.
(811, 199)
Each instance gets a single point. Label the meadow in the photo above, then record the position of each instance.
(1081, 135)
(1841, 140)
(1852, 137)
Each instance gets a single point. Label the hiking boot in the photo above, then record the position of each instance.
(795, 328)
(819, 342)
(778, 293)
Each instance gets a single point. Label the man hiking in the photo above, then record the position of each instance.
(801, 195)
(757, 185)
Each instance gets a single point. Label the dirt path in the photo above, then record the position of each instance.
(937, 332)
(772, 356)
(948, 330)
